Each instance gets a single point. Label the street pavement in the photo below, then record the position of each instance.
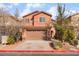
(38, 54)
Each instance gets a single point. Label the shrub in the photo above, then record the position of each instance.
(70, 36)
(75, 42)
(56, 44)
(11, 39)
(65, 34)
(61, 32)
(18, 36)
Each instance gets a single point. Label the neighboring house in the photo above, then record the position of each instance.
(37, 25)
(9, 20)
(8, 24)
(75, 20)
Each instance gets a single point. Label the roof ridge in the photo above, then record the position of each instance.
(31, 13)
(37, 12)
(42, 12)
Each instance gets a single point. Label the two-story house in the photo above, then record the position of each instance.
(37, 19)
(37, 24)
(74, 20)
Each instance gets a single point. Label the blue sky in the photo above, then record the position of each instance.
(25, 8)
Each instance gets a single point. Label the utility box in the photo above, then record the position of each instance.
(4, 39)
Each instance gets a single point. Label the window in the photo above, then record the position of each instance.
(42, 19)
(78, 19)
(27, 20)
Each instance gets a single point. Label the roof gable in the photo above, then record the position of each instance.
(44, 13)
(36, 13)
(73, 15)
(30, 13)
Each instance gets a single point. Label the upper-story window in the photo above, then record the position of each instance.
(78, 19)
(42, 19)
(27, 20)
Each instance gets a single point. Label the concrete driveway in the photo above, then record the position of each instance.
(34, 45)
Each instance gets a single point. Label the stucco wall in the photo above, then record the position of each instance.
(75, 20)
(37, 20)
(29, 17)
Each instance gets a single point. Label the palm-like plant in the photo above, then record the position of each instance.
(62, 18)
(61, 25)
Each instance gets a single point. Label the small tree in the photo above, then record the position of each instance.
(11, 39)
(63, 31)
(16, 13)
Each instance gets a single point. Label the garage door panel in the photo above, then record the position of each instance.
(35, 35)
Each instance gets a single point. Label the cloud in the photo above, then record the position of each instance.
(15, 4)
(24, 12)
(53, 11)
(12, 5)
(5, 6)
(9, 6)
(2, 6)
(34, 5)
(29, 7)
(71, 12)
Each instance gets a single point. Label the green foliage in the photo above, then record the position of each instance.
(75, 42)
(56, 44)
(11, 39)
(71, 36)
(61, 14)
(60, 32)
(65, 34)
(63, 31)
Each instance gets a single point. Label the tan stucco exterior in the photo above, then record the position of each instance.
(75, 20)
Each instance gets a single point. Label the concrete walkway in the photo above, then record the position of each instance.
(34, 45)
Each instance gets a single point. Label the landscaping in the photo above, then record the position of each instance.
(64, 37)
(64, 32)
